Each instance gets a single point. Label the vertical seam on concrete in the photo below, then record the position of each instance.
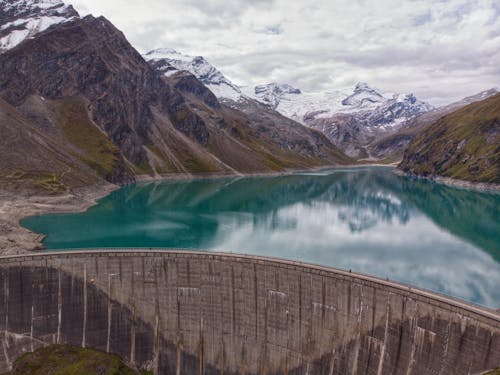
(255, 285)
(59, 305)
(6, 304)
(358, 331)
(233, 312)
(110, 311)
(84, 329)
(32, 321)
(414, 341)
(202, 349)
(132, 337)
(156, 345)
(178, 361)
(386, 331)
(446, 344)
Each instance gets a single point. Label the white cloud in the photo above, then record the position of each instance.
(439, 50)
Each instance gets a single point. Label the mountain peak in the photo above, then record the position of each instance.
(272, 93)
(167, 54)
(277, 88)
(169, 61)
(363, 96)
(22, 19)
(362, 86)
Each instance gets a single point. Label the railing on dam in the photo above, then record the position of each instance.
(187, 312)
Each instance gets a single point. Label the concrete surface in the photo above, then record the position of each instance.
(178, 312)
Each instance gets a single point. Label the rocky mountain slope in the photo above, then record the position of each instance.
(391, 147)
(464, 144)
(23, 19)
(32, 159)
(82, 88)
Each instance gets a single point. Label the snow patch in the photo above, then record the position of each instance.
(27, 18)
(168, 61)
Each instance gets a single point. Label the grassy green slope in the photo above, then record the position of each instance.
(94, 147)
(463, 145)
(68, 360)
(32, 161)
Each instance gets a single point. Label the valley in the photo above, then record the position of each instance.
(249, 187)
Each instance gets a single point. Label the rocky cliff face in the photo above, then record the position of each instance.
(464, 144)
(82, 84)
(90, 59)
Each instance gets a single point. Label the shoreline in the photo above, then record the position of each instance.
(16, 239)
(453, 182)
(145, 179)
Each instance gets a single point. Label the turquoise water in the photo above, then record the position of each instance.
(368, 220)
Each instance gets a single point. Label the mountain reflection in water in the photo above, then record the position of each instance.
(368, 220)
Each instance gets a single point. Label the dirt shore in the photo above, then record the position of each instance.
(14, 239)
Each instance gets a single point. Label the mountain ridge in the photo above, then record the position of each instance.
(84, 72)
(350, 120)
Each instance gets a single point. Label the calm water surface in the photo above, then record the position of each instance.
(368, 220)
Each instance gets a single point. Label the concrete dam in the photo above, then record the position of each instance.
(179, 312)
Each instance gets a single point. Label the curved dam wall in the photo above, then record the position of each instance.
(209, 313)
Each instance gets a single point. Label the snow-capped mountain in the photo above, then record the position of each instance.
(22, 19)
(272, 93)
(170, 61)
(375, 108)
(372, 106)
(350, 118)
(393, 111)
(363, 97)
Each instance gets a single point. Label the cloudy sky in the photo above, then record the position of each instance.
(441, 50)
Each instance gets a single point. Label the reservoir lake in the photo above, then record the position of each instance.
(367, 220)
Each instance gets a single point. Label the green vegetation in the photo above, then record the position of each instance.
(164, 165)
(96, 150)
(195, 165)
(462, 145)
(39, 181)
(34, 160)
(69, 360)
(193, 161)
(50, 183)
(493, 372)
